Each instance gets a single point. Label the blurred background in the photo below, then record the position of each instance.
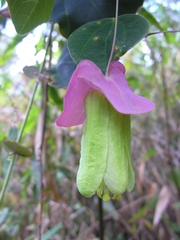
(152, 210)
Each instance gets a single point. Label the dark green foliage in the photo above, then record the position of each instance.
(72, 14)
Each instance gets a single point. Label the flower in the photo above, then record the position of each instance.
(104, 105)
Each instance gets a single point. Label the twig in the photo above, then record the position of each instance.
(41, 131)
(158, 32)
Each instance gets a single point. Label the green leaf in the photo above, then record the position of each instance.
(149, 154)
(175, 227)
(2, 2)
(28, 14)
(49, 234)
(72, 14)
(150, 18)
(54, 96)
(93, 40)
(16, 148)
(144, 210)
(66, 172)
(174, 176)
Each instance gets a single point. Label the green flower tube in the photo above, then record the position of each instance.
(105, 146)
(94, 144)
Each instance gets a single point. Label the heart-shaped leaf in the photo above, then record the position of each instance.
(72, 14)
(93, 40)
(28, 14)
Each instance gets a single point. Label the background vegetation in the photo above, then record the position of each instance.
(152, 210)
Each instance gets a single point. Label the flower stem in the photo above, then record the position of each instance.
(8, 175)
(101, 225)
(114, 37)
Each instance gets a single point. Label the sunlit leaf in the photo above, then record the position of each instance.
(26, 15)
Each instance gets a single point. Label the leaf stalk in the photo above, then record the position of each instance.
(114, 37)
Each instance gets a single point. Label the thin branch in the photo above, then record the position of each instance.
(168, 31)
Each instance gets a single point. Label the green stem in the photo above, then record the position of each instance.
(18, 140)
(6, 181)
(114, 37)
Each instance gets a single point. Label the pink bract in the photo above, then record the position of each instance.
(88, 77)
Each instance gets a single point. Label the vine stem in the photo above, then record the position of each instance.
(8, 175)
(114, 37)
(18, 140)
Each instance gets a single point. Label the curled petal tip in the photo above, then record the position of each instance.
(117, 65)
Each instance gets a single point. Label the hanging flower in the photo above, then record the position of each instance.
(104, 105)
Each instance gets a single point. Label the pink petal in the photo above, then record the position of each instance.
(115, 88)
(88, 77)
(74, 111)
